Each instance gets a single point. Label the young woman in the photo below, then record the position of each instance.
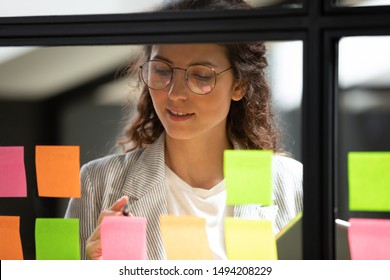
(197, 100)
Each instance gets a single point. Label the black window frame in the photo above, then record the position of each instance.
(319, 24)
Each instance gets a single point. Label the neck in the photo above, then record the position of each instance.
(199, 162)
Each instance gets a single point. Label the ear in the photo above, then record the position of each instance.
(239, 89)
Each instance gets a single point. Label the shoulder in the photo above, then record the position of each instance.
(287, 180)
(113, 161)
(117, 163)
(287, 172)
(116, 168)
(284, 164)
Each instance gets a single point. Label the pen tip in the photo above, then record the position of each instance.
(125, 210)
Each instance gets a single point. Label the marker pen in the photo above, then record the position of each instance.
(125, 210)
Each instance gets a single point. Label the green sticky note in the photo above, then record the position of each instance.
(248, 177)
(369, 181)
(57, 239)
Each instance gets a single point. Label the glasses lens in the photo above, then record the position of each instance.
(200, 79)
(156, 74)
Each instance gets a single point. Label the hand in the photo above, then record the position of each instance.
(94, 245)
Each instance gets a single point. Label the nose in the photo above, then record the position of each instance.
(178, 88)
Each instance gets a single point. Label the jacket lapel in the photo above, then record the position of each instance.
(146, 188)
(147, 171)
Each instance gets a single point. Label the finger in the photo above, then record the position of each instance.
(118, 205)
(114, 210)
(95, 235)
(93, 250)
(106, 213)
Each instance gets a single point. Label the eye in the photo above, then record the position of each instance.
(162, 70)
(201, 74)
(203, 78)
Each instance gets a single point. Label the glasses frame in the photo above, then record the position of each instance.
(185, 75)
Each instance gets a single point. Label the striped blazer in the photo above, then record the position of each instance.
(140, 175)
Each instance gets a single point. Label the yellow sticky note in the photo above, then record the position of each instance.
(249, 239)
(248, 177)
(185, 238)
(58, 171)
(10, 242)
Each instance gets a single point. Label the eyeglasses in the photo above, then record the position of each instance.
(200, 79)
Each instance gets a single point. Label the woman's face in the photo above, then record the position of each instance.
(184, 114)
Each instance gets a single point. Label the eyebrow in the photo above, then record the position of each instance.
(208, 63)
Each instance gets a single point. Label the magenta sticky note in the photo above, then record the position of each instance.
(369, 239)
(123, 238)
(12, 172)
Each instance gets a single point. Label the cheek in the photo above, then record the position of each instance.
(157, 100)
(217, 105)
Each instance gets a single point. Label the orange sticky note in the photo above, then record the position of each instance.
(369, 239)
(185, 238)
(123, 238)
(249, 239)
(10, 242)
(58, 171)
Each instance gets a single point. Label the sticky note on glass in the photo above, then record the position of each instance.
(249, 239)
(12, 172)
(58, 171)
(369, 181)
(10, 242)
(369, 239)
(57, 239)
(123, 238)
(248, 178)
(185, 238)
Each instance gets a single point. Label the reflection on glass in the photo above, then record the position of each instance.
(362, 3)
(363, 117)
(12, 8)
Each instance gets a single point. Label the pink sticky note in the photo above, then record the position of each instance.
(123, 238)
(12, 172)
(369, 239)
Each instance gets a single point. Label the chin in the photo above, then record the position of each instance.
(180, 134)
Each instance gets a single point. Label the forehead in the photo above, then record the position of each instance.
(190, 53)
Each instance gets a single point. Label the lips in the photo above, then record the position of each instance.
(179, 114)
(176, 115)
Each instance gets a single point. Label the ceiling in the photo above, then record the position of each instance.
(40, 73)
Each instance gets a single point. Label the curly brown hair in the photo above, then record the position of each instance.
(250, 120)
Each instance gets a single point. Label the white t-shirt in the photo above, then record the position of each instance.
(184, 200)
